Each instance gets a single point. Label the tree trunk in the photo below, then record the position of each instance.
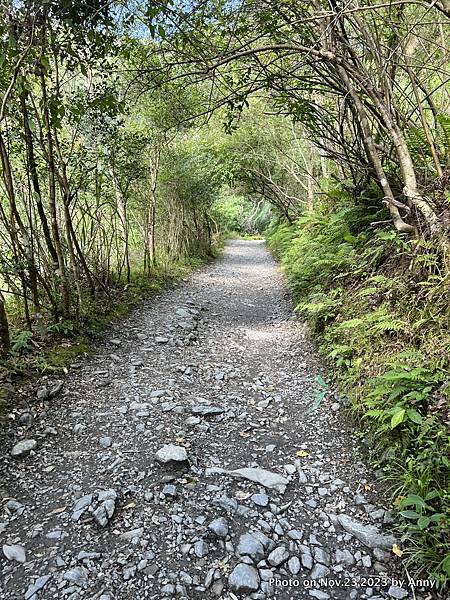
(52, 201)
(121, 206)
(154, 182)
(31, 159)
(4, 328)
(410, 189)
(23, 248)
(372, 153)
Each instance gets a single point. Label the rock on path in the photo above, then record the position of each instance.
(180, 461)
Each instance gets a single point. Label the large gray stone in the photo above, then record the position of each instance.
(268, 479)
(107, 495)
(105, 512)
(260, 499)
(201, 548)
(321, 556)
(307, 560)
(35, 587)
(278, 556)
(344, 557)
(294, 565)
(295, 534)
(250, 546)
(244, 578)
(170, 453)
(77, 576)
(319, 571)
(23, 448)
(13, 506)
(264, 539)
(14, 552)
(219, 527)
(367, 534)
(227, 503)
(80, 506)
(169, 490)
(397, 592)
(132, 534)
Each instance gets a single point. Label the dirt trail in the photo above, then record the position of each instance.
(220, 368)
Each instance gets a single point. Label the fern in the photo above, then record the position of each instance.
(380, 304)
(351, 324)
(22, 342)
(417, 142)
(444, 123)
(388, 323)
(369, 291)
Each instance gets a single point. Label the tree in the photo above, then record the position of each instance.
(347, 74)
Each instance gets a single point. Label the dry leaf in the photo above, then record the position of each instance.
(58, 510)
(188, 481)
(243, 495)
(302, 453)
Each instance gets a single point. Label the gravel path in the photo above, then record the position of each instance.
(186, 458)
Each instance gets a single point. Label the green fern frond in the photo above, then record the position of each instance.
(444, 123)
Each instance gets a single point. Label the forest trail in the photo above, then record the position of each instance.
(220, 367)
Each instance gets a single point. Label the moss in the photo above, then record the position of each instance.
(60, 357)
(6, 392)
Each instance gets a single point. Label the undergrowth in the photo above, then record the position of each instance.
(378, 304)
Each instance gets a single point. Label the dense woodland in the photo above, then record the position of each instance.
(133, 135)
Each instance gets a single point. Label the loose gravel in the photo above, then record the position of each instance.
(188, 457)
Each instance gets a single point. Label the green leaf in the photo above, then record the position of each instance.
(321, 381)
(445, 564)
(431, 495)
(317, 400)
(398, 418)
(410, 514)
(437, 517)
(414, 415)
(423, 522)
(413, 499)
(374, 412)
(45, 63)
